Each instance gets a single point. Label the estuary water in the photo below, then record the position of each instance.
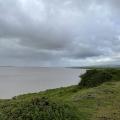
(21, 80)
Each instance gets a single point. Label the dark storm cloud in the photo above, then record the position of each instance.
(59, 32)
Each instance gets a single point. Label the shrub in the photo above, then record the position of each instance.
(37, 109)
(93, 78)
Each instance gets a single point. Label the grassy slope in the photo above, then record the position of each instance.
(98, 103)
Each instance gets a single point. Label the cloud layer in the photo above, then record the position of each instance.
(59, 32)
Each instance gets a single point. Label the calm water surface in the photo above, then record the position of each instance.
(17, 80)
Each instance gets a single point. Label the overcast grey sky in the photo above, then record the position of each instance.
(59, 32)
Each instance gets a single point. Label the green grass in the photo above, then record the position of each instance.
(101, 102)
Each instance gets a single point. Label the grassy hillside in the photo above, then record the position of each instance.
(82, 102)
(96, 77)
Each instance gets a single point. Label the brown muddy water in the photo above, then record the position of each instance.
(21, 80)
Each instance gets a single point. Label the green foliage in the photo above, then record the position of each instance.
(95, 77)
(37, 109)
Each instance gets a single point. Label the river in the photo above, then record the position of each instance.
(21, 80)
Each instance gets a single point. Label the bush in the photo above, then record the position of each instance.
(37, 109)
(93, 78)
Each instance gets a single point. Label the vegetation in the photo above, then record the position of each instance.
(71, 103)
(36, 109)
(95, 77)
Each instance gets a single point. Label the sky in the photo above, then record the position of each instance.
(59, 32)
